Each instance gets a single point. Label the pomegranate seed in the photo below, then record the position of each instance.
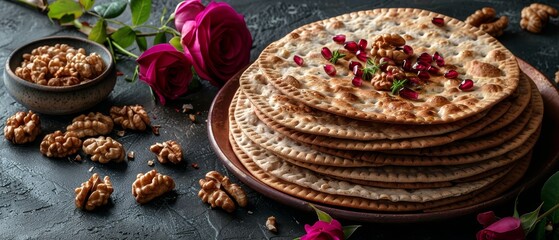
(339, 39)
(352, 65)
(440, 63)
(408, 50)
(438, 21)
(408, 93)
(362, 55)
(351, 46)
(414, 80)
(330, 69)
(406, 65)
(466, 85)
(438, 59)
(433, 70)
(423, 75)
(298, 60)
(357, 70)
(357, 81)
(451, 74)
(362, 44)
(386, 61)
(420, 66)
(425, 57)
(326, 53)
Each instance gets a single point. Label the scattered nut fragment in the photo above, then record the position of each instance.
(121, 133)
(211, 192)
(91, 125)
(169, 151)
(60, 144)
(130, 155)
(535, 16)
(151, 163)
(195, 165)
(22, 127)
(93, 193)
(187, 108)
(151, 185)
(90, 169)
(59, 65)
(192, 117)
(130, 117)
(271, 224)
(104, 149)
(155, 129)
(78, 158)
(557, 77)
(486, 19)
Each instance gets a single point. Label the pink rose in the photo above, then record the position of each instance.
(166, 70)
(187, 11)
(218, 41)
(322, 230)
(508, 228)
(486, 218)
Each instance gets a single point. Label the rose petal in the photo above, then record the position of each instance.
(508, 228)
(486, 218)
(186, 11)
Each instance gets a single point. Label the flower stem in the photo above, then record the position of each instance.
(541, 217)
(124, 51)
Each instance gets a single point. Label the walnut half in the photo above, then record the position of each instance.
(151, 185)
(91, 125)
(93, 193)
(104, 149)
(211, 192)
(60, 144)
(130, 117)
(22, 127)
(169, 151)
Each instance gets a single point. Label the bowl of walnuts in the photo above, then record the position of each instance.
(60, 75)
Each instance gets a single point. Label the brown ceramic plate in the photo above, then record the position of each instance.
(545, 158)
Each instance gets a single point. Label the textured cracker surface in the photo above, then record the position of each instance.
(460, 44)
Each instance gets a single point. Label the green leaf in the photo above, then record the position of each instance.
(87, 4)
(99, 31)
(135, 76)
(124, 36)
(176, 42)
(515, 214)
(142, 42)
(140, 11)
(111, 9)
(59, 8)
(160, 37)
(348, 230)
(530, 219)
(322, 216)
(539, 231)
(550, 196)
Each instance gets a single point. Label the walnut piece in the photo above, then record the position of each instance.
(93, 193)
(535, 17)
(486, 19)
(104, 149)
(130, 117)
(22, 127)
(211, 192)
(557, 77)
(271, 224)
(387, 45)
(59, 65)
(91, 125)
(151, 185)
(169, 151)
(60, 144)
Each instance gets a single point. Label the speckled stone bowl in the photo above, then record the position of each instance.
(60, 100)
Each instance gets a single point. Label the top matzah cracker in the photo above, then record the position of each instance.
(473, 53)
(300, 117)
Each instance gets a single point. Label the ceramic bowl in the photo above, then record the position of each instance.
(65, 99)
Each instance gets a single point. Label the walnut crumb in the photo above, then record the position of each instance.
(192, 117)
(78, 158)
(271, 224)
(187, 108)
(151, 163)
(91, 169)
(130, 155)
(195, 165)
(121, 133)
(155, 129)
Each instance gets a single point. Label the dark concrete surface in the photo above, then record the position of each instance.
(37, 193)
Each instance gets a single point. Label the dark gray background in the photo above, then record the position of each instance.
(36, 193)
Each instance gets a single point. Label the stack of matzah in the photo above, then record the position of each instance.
(327, 140)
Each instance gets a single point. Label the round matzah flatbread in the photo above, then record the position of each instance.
(473, 53)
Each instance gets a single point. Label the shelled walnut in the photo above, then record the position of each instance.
(386, 45)
(151, 185)
(486, 19)
(130, 117)
(104, 149)
(211, 192)
(91, 125)
(535, 16)
(169, 151)
(59, 65)
(93, 193)
(59, 144)
(22, 127)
